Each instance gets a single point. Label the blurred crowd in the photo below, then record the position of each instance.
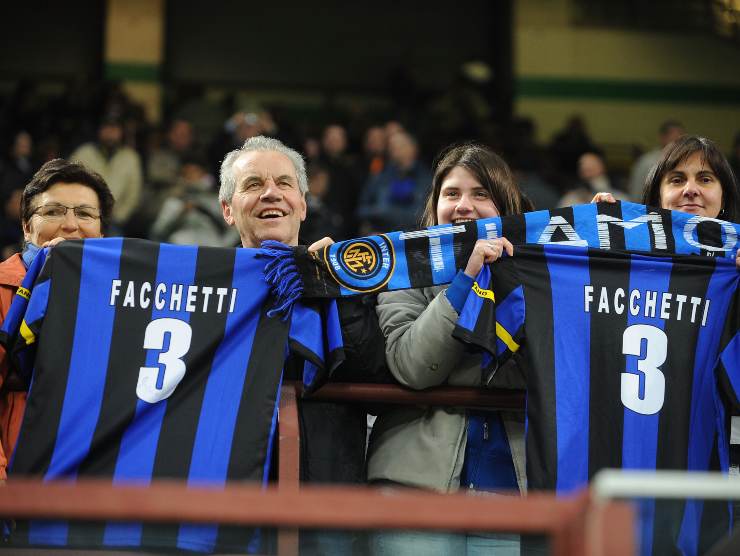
(366, 173)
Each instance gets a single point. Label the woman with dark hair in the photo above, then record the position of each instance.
(692, 176)
(62, 201)
(444, 449)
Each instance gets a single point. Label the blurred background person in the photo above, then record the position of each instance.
(17, 167)
(374, 151)
(164, 161)
(393, 199)
(190, 214)
(119, 165)
(593, 179)
(344, 180)
(669, 131)
(321, 221)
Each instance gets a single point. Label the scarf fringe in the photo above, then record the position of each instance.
(281, 273)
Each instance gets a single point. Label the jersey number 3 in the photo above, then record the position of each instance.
(157, 383)
(648, 399)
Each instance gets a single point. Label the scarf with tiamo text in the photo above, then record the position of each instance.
(432, 256)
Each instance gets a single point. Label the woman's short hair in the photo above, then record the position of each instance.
(488, 168)
(62, 171)
(680, 150)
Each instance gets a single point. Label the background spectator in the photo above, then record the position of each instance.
(669, 131)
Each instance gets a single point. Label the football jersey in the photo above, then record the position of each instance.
(623, 353)
(153, 361)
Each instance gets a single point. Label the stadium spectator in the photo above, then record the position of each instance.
(120, 167)
(164, 163)
(374, 151)
(62, 201)
(438, 448)
(190, 213)
(344, 181)
(11, 233)
(594, 179)
(669, 131)
(567, 147)
(263, 188)
(18, 167)
(321, 220)
(691, 176)
(394, 198)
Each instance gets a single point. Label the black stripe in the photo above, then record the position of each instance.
(709, 233)
(119, 395)
(256, 411)
(690, 279)
(611, 272)
(514, 228)
(616, 233)
(542, 449)
(38, 432)
(462, 244)
(418, 261)
(214, 267)
(44, 407)
(667, 227)
(567, 213)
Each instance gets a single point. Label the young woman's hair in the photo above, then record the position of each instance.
(677, 152)
(488, 168)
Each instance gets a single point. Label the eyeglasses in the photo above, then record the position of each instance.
(55, 211)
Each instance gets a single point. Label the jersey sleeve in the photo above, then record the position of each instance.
(316, 337)
(492, 318)
(22, 325)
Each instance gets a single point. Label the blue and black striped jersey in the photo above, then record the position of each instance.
(153, 361)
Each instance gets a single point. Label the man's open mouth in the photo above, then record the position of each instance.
(271, 213)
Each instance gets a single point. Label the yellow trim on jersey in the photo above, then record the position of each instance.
(480, 292)
(506, 338)
(27, 334)
(23, 292)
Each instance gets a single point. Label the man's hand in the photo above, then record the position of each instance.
(487, 251)
(318, 245)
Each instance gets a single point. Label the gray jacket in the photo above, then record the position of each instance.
(425, 446)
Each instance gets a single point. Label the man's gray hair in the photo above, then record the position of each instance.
(259, 143)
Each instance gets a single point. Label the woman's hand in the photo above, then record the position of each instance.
(603, 198)
(320, 244)
(486, 251)
(53, 242)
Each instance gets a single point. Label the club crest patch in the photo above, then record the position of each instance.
(361, 265)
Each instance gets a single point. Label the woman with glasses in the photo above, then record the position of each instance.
(62, 201)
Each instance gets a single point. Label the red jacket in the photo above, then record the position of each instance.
(12, 404)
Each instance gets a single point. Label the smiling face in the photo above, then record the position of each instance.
(39, 229)
(463, 198)
(267, 202)
(692, 187)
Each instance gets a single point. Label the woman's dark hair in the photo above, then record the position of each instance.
(488, 168)
(62, 171)
(677, 152)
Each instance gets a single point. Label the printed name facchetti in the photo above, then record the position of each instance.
(172, 297)
(649, 304)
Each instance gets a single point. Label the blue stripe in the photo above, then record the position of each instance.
(535, 224)
(510, 314)
(489, 228)
(400, 277)
(175, 265)
(584, 218)
(569, 273)
(637, 238)
(640, 433)
(215, 434)
(333, 327)
(306, 329)
(474, 303)
(702, 424)
(731, 360)
(86, 380)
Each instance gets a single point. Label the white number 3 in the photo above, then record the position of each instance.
(656, 348)
(156, 383)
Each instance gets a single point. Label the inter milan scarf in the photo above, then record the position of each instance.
(432, 256)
